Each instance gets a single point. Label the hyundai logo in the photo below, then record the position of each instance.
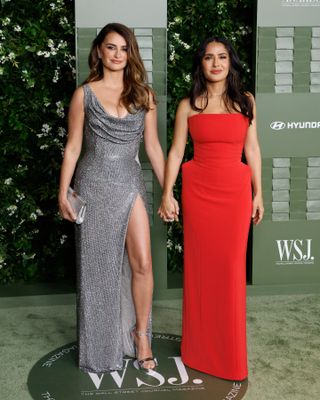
(277, 125)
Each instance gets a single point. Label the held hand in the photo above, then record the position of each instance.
(257, 209)
(65, 209)
(176, 207)
(169, 209)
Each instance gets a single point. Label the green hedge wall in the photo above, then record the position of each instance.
(37, 79)
(188, 24)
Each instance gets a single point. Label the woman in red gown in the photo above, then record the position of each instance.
(218, 204)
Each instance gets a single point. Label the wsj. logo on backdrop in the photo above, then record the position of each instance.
(294, 252)
(280, 125)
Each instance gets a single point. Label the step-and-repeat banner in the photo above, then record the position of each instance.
(286, 246)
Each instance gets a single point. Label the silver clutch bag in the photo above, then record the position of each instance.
(78, 204)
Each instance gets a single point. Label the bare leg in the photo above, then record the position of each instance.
(139, 253)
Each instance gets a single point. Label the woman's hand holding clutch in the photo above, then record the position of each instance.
(65, 209)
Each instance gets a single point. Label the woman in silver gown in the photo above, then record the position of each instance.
(109, 116)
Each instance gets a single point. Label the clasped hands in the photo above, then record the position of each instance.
(169, 208)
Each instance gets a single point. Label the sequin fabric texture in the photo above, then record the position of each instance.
(109, 178)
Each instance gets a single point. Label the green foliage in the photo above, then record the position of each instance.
(37, 80)
(188, 24)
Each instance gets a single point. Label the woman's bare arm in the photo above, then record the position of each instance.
(72, 151)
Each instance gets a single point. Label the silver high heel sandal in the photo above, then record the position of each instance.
(142, 361)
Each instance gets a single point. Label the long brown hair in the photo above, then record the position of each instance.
(234, 97)
(136, 92)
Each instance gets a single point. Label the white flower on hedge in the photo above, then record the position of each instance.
(6, 21)
(187, 78)
(169, 244)
(26, 78)
(62, 44)
(172, 52)
(39, 212)
(176, 36)
(45, 54)
(50, 43)
(22, 168)
(46, 128)
(3, 59)
(8, 181)
(43, 146)
(12, 209)
(178, 247)
(2, 262)
(53, 6)
(220, 6)
(63, 21)
(63, 238)
(60, 110)
(61, 131)
(20, 196)
(17, 28)
(11, 56)
(33, 216)
(56, 75)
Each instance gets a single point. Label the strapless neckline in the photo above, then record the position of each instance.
(196, 115)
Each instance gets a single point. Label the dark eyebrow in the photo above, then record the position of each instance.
(112, 44)
(219, 54)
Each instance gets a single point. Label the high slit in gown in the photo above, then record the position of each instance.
(109, 178)
(217, 204)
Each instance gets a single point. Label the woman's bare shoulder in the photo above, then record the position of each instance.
(79, 92)
(78, 97)
(184, 106)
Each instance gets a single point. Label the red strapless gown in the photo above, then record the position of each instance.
(217, 203)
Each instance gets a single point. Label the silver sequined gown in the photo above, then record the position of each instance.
(109, 178)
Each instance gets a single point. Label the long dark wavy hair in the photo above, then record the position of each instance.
(235, 97)
(136, 92)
